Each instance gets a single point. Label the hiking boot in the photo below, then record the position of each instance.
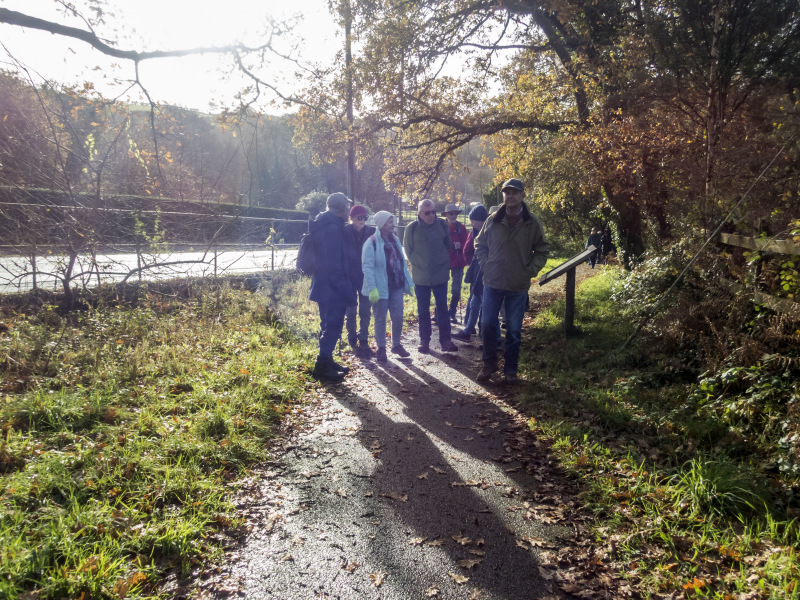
(448, 346)
(462, 336)
(486, 372)
(424, 348)
(453, 319)
(511, 378)
(341, 368)
(353, 341)
(325, 369)
(381, 355)
(400, 351)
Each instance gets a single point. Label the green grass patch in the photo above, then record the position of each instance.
(125, 428)
(689, 501)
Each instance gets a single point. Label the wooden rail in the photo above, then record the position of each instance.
(761, 244)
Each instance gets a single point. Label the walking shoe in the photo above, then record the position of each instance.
(461, 335)
(453, 319)
(400, 351)
(486, 372)
(448, 346)
(353, 341)
(423, 348)
(341, 368)
(381, 355)
(511, 378)
(364, 351)
(326, 370)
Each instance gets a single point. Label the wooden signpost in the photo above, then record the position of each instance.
(568, 267)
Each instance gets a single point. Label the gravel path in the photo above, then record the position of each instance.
(407, 480)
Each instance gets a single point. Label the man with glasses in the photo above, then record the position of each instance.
(511, 249)
(356, 233)
(427, 246)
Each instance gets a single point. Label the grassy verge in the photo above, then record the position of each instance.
(685, 504)
(124, 426)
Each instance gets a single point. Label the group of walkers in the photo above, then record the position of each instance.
(604, 246)
(360, 268)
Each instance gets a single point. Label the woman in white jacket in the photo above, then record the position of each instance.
(386, 279)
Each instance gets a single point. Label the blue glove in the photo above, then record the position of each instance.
(374, 296)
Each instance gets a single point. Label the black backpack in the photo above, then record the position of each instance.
(307, 255)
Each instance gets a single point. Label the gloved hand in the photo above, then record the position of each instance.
(374, 296)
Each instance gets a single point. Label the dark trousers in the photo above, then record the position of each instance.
(358, 326)
(331, 320)
(423, 293)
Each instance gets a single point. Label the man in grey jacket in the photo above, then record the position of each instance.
(427, 246)
(511, 249)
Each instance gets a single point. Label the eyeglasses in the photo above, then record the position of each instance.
(428, 213)
(362, 218)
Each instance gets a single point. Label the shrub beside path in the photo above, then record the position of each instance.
(410, 480)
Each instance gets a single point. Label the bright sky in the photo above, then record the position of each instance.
(195, 81)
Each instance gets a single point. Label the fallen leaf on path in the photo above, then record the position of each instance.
(477, 552)
(458, 578)
(462, 539)
(369, 494)
(423, 476)
(340, 492)
(396, 496)
(545, 574)
(432, 591)
(468, 439)
(298, 541)
(350, 567)
(437, 470)
(377, 578)
(522, 544)
(468, 563)
(436, 542)
(475, 595)
(416, 541)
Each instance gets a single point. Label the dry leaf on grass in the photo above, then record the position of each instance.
(350, 567)
(462, 539)
(417, 541)
(432, 591)
(475, 595)
(377, 578)
(458, 578)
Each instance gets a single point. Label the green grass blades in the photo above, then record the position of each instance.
(124, 428)
(682, 470)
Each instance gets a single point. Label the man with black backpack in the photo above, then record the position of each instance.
(331, 286)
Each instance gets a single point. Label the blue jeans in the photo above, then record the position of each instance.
(514, 303)
(331, 320)
(358, 328)
(394, 306)
(423, 293)
(473, 312)
(456, 277)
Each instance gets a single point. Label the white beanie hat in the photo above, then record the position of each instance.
(381, 217)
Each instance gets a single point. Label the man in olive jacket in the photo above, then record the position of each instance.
(426, 242)
(511, 249)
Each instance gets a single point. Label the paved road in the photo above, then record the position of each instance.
(408, 480)
(15, 270)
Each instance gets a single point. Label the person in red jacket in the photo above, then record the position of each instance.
(458, 239)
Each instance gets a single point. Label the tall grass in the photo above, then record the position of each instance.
(124, 427)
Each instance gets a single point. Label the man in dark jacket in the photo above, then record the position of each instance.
(356, 233)
(426, 242)
(331, 286)
(511, 249)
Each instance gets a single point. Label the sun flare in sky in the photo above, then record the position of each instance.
(202, 82)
